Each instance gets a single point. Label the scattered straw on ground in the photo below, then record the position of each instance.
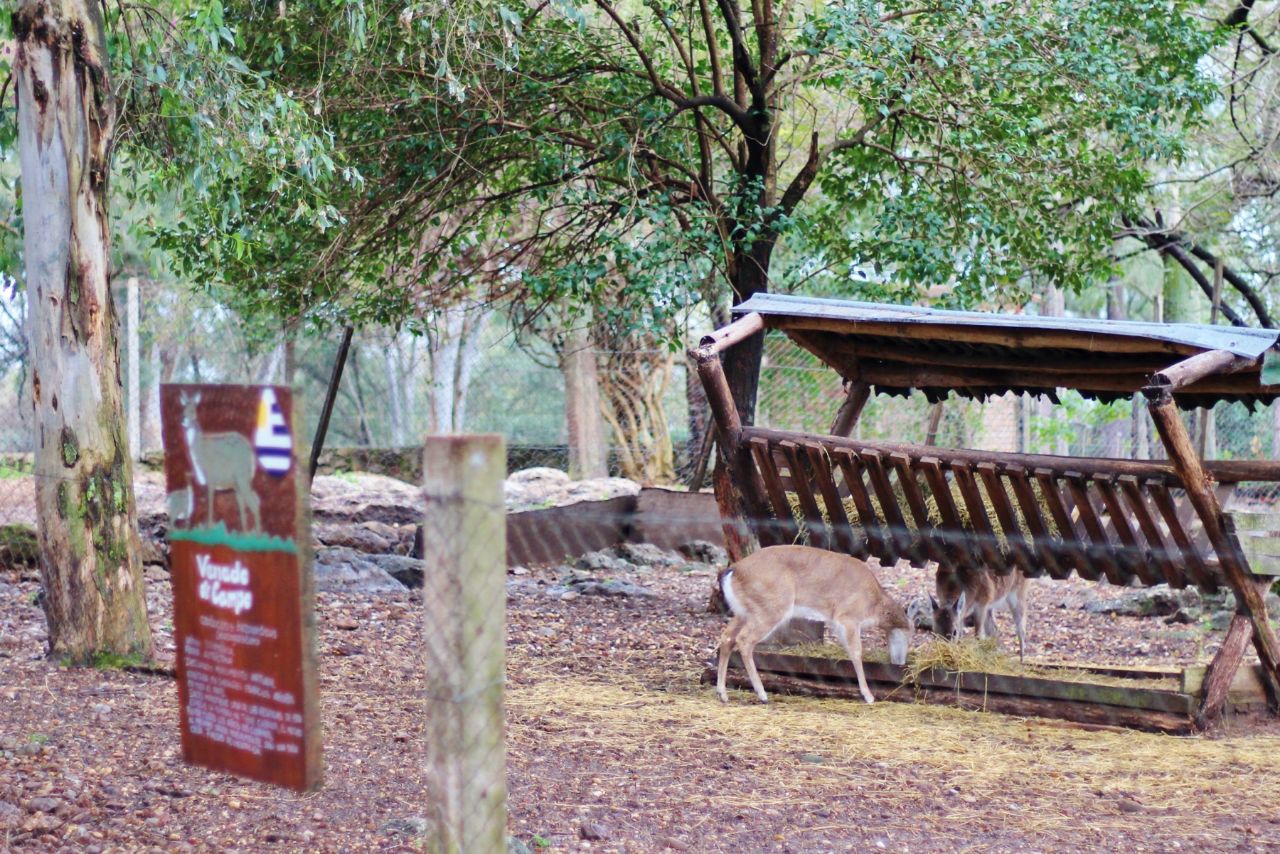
(1060, 773)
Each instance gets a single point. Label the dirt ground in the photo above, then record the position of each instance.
(610, 730)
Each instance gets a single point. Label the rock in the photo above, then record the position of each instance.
(10, 815)
(344, 570)
(522, 587)
(703, 551)
(346, 624)
(603, 561)
(41, 823)
(536, 488)
(646, 554)
(517, 846)
(593, 831)
(599, 489)
(406, 570)
(413, 825)
(44, 804)
(1158, 601)
(579, 585)
(372, 537)
(157, 574)
(673, 843)
(360, 497)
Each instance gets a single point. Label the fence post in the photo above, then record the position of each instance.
(464, 635)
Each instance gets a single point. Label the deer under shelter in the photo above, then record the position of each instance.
(1174, 521)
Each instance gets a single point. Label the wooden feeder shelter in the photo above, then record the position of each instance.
(1132, 522)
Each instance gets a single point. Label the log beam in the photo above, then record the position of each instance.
(726, 336)
(1199, 487)
(851, 409)
(1179, 376)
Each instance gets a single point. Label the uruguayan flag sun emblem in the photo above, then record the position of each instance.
(271, 439)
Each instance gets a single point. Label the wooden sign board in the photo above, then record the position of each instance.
(240, 563)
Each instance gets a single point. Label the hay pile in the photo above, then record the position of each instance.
(972, 655)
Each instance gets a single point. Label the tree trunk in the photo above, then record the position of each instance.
(94, 596)
(750, 276)
(395, 402)
(475, 321)
(587, 456)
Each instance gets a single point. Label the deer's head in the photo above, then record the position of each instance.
(189, 403)
(948, 616)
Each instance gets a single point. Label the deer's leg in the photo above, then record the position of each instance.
(728, 638)
(1018, 605)
(208, 495)
(850, 635)
(747, 649)
(981, 614)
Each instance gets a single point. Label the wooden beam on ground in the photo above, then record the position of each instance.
(1199, 487)
(850, 409)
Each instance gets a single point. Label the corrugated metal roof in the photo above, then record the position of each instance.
(1092, 334)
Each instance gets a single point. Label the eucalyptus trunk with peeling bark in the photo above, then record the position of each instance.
(94, 597)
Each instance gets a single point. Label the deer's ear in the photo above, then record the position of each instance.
(960, 603)
(933, 603)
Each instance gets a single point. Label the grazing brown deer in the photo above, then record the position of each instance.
(979, 594)
(766, 589)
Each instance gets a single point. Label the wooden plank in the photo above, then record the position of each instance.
(1072, 550)
(1085, 715)
(841, 530)
(1246, 686)
(978, 521)
(1157, 549)
(782, 528)
(1189, 556)
(898, 532)
(956, 539)
(1133, 556)
(929, 547)
(1008, 520)
(1125, 696)
(817, 529)
(1041, 539)
(1098, 548)
(851, 468)
(1223, 471)
(1262, 551)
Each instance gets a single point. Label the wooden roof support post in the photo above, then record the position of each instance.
(1249, 593)
(734, 476)
(851, 409)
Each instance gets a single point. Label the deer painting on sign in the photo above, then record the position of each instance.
(221, 462)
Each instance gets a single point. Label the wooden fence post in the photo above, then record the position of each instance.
(464, 636)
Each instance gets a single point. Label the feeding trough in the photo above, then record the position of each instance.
(1181, 521)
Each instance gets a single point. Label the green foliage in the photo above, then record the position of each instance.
(1074, 412)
